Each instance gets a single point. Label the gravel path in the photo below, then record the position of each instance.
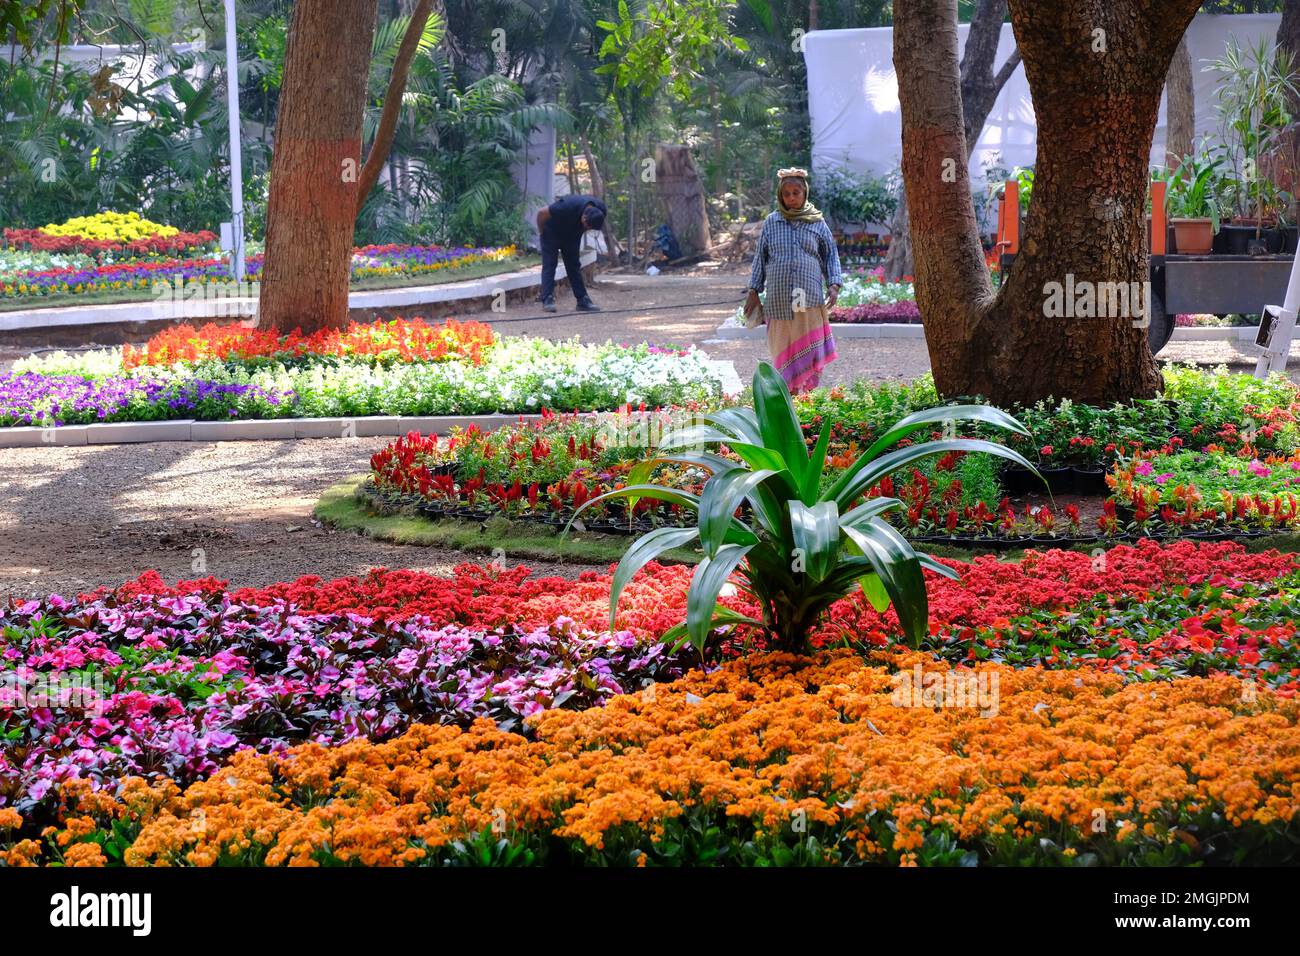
(72, 519)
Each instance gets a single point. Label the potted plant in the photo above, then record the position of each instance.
(1192, 203)
(1254, 86)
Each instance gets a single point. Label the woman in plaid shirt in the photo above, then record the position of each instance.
(797, 263)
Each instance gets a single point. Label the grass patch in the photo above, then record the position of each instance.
(341, 508)
(476, 270)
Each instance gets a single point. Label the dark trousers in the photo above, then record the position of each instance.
(553, 249)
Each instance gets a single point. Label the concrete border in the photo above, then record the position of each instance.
(841, 330)
(269, 429)
(905, 330)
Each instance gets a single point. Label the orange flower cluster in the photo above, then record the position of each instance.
(399, 340)
(1074, 757)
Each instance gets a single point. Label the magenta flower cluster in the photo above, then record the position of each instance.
(170, 686)
(876, 312)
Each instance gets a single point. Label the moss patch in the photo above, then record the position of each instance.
(341, 507)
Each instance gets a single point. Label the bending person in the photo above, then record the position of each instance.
(562, 225)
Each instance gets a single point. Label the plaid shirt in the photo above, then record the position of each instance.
(794, 256)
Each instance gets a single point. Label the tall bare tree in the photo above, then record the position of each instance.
(980, 86)
(1095, 71)
(392, 111)
(1180, 107)
(312, 205)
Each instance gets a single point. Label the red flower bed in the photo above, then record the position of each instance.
(40, 241)
(989, 591)
(403, 340)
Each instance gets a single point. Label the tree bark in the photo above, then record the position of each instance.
(612, 246)
(1288, 38)
(980, 86)
(1180, 107)
(682, 191)
(1282, 164)
(312, 204)
(392, 111)
(1095, 72)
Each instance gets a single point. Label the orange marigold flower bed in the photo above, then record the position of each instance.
(770, 752)
(398, 340)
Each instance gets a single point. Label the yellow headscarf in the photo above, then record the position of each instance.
(807, 212)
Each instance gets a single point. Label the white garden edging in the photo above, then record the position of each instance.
(199, 308)
(841, 330)
(904, 330)
(1215, 333)
(366, 426)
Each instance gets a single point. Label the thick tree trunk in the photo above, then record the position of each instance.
(312, 204)
(980, 86)
(1180, 107)
(1288, 38)
(1283, 167)
(682, 192)
(1095, 72)
(392, 110)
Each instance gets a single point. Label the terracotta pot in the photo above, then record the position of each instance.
(1194, 237)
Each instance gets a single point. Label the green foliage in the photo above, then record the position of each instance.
(1024, 177)
(860, 199)
(462, 192)
(1194, 188)
(664, 41)
(804, 546)
(23, 21)
(87, 139)
(1254, 86)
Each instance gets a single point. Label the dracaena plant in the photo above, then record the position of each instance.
(800, 547)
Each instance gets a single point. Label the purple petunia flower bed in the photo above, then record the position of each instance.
(31, 398)
(159, 686)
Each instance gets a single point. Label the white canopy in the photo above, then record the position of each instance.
(853, 96)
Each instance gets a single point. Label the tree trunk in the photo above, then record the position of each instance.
(312, 204)
(1180, 107)
(598, 190)
(899, 259)
(682, 192)
(1288, 38)
(631, 201)
(1095, 74)
(392, 111)
(980, 86)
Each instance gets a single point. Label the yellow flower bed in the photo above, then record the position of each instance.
(111, 226)
(771, 748)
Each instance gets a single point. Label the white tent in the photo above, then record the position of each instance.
(853, 96)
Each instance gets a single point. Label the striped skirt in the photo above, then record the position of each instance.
(802, 347)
